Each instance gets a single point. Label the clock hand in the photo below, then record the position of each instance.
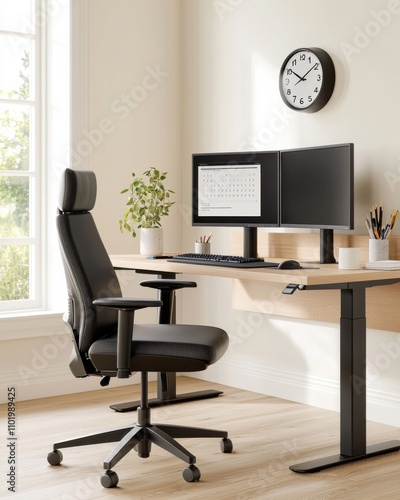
(299, 77)
(304, 76)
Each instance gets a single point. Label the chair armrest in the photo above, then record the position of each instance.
(166, 292)
(127, 304)
(168, 285)
(126, 314)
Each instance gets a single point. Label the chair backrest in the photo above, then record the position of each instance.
(88, 269)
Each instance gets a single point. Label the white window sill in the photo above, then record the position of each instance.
(31, 325)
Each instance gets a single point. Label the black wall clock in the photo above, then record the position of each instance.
(307, 79)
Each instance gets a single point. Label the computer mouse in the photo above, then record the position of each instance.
(289, 264)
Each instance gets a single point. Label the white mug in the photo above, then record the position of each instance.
(349, 258)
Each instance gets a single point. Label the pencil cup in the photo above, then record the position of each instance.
(202, 247)
(378, 250)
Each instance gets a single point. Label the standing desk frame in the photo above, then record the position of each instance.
(352, 286)
(353, 353)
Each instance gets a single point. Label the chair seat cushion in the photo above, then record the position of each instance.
(163, 348)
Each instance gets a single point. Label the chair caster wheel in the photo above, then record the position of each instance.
(109, 479)
(55, 457)
(191, 474)
(226, 445)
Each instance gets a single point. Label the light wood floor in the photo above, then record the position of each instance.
(268, 434)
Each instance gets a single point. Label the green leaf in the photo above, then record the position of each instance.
(148, 201)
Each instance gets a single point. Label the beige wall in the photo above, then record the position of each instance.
(233, 51)
(161, 79)
(134, 88)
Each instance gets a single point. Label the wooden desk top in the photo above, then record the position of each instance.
(322, 274)
(260, 290)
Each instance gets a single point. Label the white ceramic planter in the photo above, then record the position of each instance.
(151, 241)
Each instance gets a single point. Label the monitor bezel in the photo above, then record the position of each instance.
(349, 224)
(238, 158)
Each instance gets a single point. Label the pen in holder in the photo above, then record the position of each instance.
(202, 247)
(202, 244)
(379, 233)
(378, 250)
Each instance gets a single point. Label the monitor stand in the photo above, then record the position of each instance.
(250, 242)
(326, 247)
(325, 244)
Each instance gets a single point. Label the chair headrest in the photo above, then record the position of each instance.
(78, 189)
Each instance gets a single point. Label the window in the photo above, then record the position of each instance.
(34, 145)
(20, 155)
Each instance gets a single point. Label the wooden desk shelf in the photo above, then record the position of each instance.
(321, 305)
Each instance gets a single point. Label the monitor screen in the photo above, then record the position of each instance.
(236, 189)
(317, 187)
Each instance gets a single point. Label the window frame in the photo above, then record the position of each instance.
(36, 171)
(63, 35)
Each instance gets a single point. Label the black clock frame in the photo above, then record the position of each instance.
(328, 81)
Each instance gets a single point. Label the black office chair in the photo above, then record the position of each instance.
(107, 343)
(166, 382)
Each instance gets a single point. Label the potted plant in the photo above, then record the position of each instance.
(148, 201)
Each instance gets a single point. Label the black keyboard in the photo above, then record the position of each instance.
(221, 260)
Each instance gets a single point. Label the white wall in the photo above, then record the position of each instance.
(134, 86)
(120, 48)
(233, 51)
(217, 65)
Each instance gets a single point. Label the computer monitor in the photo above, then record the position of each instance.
(317, 191)
(237, 189)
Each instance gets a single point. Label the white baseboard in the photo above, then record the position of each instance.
(382, 406)
(58, 381)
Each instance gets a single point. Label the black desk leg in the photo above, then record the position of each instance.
(352, 389)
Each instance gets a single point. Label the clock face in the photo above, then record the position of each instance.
(307, 79)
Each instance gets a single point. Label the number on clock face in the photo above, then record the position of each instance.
(302, 79)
